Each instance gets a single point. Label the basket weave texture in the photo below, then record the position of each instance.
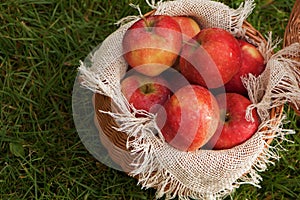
(138, 158)
(292, 35)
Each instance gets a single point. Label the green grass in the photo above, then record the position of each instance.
(41, 154)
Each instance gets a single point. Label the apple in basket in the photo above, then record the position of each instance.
(211, 58)
(145, 93)
(189, 27)
(152, 44)
(252, 62)
(189, 118)
(233, 128)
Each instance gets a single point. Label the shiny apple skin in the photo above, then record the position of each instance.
(211, 58)
(152, 45)
(189, 118)
(233, 128)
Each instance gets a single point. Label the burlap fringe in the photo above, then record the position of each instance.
(279, 84)
(152, 174)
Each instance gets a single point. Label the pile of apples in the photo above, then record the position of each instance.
(191, 79)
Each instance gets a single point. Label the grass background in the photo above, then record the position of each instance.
(41, 155)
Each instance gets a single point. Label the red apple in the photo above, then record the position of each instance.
(211, 58)
(189, 118)
(233, 128)
(145, 93)
(252, 62)
(152, 44)
(189, 27)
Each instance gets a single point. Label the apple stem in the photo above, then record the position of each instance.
(147, 88)
(145, 20)
(227, 117)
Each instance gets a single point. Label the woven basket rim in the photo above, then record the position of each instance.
(292, 35)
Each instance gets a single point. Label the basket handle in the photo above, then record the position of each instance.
(292, 35)
(292, 30)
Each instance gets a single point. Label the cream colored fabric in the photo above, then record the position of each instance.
(204, 174)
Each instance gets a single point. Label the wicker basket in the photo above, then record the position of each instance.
(292, 35)
(292, 30)
(115, 141)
